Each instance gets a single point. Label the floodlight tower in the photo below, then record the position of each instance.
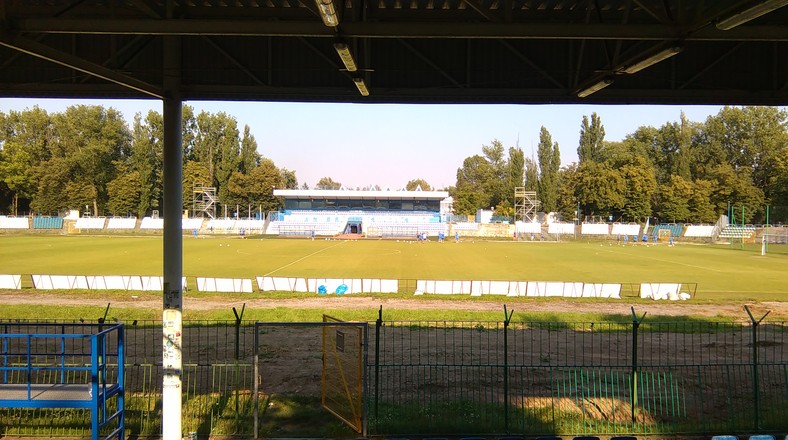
(525, 205)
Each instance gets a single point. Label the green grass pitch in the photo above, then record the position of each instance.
(722, 273)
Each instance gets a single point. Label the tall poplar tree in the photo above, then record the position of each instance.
(592, 138)
(549, 164)
(147, 160)
(250, 158)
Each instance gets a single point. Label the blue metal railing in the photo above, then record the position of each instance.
(27, 358)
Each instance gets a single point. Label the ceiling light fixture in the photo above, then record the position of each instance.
(594, 88)
(653, 59)
(751, 13)
(361, 86)
(346, 56)
(327, 12)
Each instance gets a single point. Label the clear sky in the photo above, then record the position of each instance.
(388, 145)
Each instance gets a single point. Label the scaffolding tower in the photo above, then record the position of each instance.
(203, 201)
(525, 205)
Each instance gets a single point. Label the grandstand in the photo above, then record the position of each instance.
(383, 214)
(40, 222)
(668, 230)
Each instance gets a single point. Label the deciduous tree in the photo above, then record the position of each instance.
(327, 183)
(255, 188)
(471, 189)
(418, 183)
(89, 139)
(24, 144)
(601, 189)
(124, 191)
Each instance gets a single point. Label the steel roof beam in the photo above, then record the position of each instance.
(576, 31)
(44, 52)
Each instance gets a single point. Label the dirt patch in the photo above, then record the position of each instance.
(349, 302)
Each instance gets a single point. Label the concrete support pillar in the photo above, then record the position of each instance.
(172, 316)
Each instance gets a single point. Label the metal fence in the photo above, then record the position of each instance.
(447, 377)
(579, 378)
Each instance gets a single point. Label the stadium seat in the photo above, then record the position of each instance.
(725, 437)
(623, 437)
(762, 437)
(549, 438)
(510, 438)
(586, 437)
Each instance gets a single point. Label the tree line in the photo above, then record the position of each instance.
(683, 171)
(88, 158)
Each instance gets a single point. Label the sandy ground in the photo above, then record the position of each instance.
(433, 303)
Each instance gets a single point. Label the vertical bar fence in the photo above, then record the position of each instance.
(469, 378)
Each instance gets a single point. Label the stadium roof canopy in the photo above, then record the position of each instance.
(309, 194)
(404, 51)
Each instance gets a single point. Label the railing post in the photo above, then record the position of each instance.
(634, 388)
(238, 319)
(755, 380)
(378, 325)
(507, 317)
(255, 383)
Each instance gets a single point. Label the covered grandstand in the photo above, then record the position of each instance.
(384, 214)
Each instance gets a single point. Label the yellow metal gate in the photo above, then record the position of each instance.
(343, 371)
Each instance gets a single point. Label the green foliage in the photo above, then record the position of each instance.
(735, 187)
(531, 175)
(568, 180)
(256, 188)
(24, 142)
(675, 197)
(639, 187)
(549, 163)
(89, 139)
(516, 171)
(701, 208)
(496, 186)
(124, 192)
(50, 198)
(327, 183)
(418, 183)
(472, 179)
(146, 160)
(592, 138)
(250, 158)
(489, 180)
(289, 179)
(600, 189)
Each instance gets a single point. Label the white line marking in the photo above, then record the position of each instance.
(302, 258)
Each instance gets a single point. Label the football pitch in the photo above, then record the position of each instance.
(721, 272)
